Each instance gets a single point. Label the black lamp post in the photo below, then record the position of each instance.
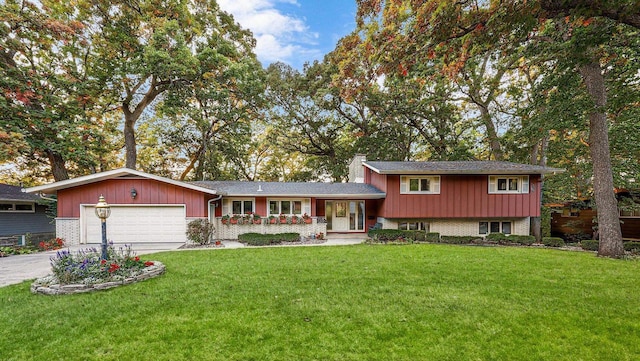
(103, 211)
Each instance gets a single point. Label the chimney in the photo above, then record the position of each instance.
(356, 169)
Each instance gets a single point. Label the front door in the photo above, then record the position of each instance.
(345, 216)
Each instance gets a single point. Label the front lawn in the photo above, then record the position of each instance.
(415, 302)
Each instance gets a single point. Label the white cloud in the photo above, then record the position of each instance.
(279, 36)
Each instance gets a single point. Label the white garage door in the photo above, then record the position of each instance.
(135, 224)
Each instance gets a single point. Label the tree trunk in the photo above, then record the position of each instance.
(58, 166)
(492, 134)
(131, 153)
(608, 214)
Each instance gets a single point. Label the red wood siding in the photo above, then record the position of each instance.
(118, 191)
(461, 196)
(377, 180)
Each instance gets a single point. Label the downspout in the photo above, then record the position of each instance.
(209, 206)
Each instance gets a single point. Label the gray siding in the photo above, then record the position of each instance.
(21, 223)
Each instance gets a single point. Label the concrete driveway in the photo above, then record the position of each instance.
(18, 268)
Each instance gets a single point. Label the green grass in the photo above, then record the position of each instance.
(417, 302)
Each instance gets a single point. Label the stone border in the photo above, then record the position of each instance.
(40, 286)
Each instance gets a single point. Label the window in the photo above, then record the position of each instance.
(242, 206)
(285, 207)
(425, 185)
(18, 207)
(413, 226)
(494, 227)
(508, 184)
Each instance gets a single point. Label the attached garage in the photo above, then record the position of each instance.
(136, 224)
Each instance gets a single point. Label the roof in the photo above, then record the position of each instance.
(13, 193)
(112, 174)
(460, 167)
(293, 189)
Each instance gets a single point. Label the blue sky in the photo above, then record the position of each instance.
(293, 31)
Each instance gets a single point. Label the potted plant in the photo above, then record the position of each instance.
(225, 219)
(307, 219)
(256, 218)
(234, 219)
(293, 219)
(283, 218)
(273, 219)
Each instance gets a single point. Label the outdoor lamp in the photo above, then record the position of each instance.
(103, 211)
(134, 193)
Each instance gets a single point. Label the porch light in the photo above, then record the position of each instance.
(134, 193)
(103, 211)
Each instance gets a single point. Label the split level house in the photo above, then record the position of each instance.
(451, 198)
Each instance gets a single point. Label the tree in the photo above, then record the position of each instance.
(151, 48)
(457, 31)
(48, 98)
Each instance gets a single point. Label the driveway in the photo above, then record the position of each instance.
(16, 269)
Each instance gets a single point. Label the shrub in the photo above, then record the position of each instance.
(458, 239)
(502, 238)
(200, 231)
(553, 241)
(590, 244)
(51, 245)
(257, 239)
(633, 247)
(432, 237)
(386, 235)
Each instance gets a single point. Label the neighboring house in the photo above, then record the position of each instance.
(578, 219)
(22, 213)
(453, 198)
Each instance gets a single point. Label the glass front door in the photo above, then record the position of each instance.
(345, 216)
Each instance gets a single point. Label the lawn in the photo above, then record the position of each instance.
(414, 302)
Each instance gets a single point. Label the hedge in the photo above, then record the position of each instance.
(553, 241)
(633, 246)
(502, 238)
(460, 239)
(258, 239)
(589, 244)
(398, 235)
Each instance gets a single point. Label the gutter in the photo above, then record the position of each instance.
(209, 206)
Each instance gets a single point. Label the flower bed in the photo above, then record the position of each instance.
(85, 271)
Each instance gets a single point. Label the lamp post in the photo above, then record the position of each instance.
(103, 211)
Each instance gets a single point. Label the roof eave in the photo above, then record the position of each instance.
(111, 174)
(323, 196)
(468, 172)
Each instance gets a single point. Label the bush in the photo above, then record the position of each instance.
(590, 244)
(553, 241)
(200, 231)
(257, 239)
(633, 247)
(502, 238)
(459, 239)
(401, 236)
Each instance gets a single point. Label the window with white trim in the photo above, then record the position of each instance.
(508, 184)
(420, 185)
(494, 227)
(17, 207)
(289, 206)
(238, 206)
(413, 226)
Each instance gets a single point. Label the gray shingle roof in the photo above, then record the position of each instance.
(13, 193)
(297, 189)
(460, 167)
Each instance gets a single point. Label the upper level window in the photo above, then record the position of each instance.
(417, 184)
(17, 207)
(508, 184)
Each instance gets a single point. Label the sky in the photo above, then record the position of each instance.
(293, 31)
